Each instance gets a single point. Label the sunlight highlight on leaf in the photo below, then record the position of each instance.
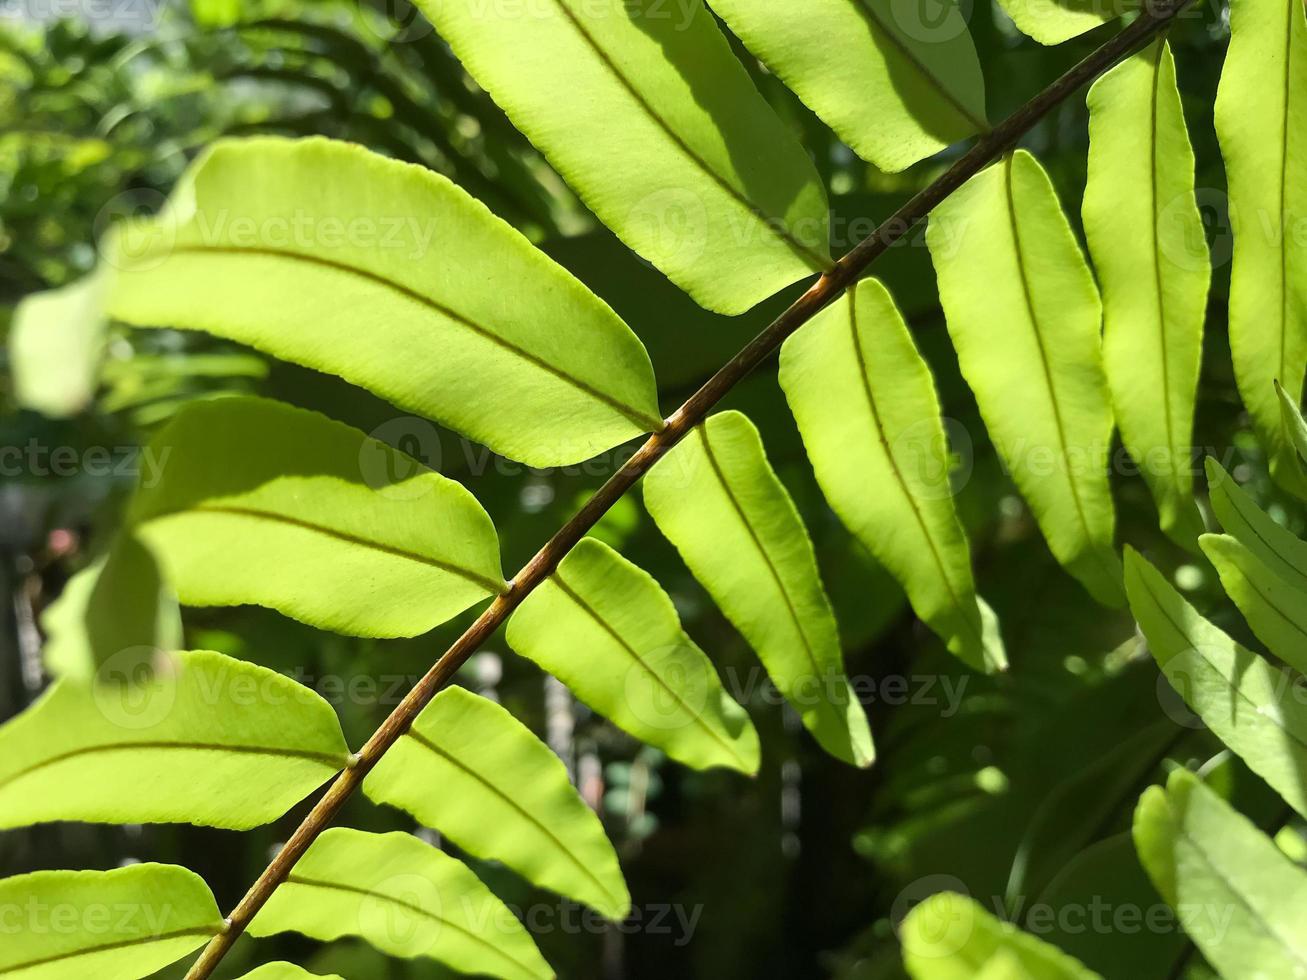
(1141, 217)
(1024, 315)
(119, 925)
(898, 82)
(405, 898)
(609, 632)
(211, 741)
(258, 502)
(670, 144)
(472, 771)
(719, 502)
(865, 403)
(1261, 119)
(1241, 900)
(327, 255)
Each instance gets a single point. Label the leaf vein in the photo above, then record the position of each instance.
(815, 261)
(647, 422)
(593, 613)
(539, 824)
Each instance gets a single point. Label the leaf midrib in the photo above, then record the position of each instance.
(647, 423)
(1162, 324)
(871, 15)
(256, 514)
(531, 818)
(336, 762)
(593, 613)
(1243, 508)
(1059, 423)
(1266, 597)
(860, 357)
(305, 882)
(1255, 916)
(814, 260)
(1235, 689)
(772, 570)
(1284, 192)
(124, 944)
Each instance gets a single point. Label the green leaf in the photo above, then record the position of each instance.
(472, 771)
(1252, 706)
(671, 146)
(210, 741)
(1275, 609)
(116, 610)
(1275, 547)
(259, 502)
(111, 925)
(56, 342)
(405, 898)
(1261, 119)
(897, 82)
(1149, 247)
(1055, 21)
(285, 971)
(1241, 901)
(1024, 315)
(950, 937)
(607, 630)
(866, 406)
(1294, 424)
(388, 275)
(717, 499)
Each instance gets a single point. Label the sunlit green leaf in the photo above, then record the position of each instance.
(1261, 119)
(1055, 21)
(333, 257)
(608, 631)
(210, 741)
(1024, 315)
(1275, 609)
(1254, 707)
(898, 82)
(55, 345)
(1240, 900)
(111, 925)
(950, 937)
(259, 502)
(717, 499)
(670, 144)
(1150, 251)
(1275, 547)
(470, 770)
(405, 898)
(285, 971)
(865, 403)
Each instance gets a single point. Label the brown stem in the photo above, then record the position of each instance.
(845, 272)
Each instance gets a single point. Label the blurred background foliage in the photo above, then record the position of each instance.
(1017, 789)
